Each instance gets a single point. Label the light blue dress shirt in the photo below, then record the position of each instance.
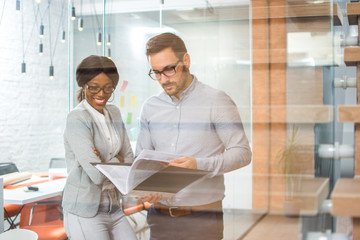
(205, 124)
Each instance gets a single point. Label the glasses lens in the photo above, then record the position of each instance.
(153, 75)
(109, 90)
(169, 72)
(93, 89)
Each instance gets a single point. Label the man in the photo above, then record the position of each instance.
(200, 123)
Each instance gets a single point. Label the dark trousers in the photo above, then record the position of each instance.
(197, 225)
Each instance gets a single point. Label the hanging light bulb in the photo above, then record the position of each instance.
(99, 38)
(18, 5)
(23, 68)
(108, 40)
(63, 37)
(73, 15)
(109, 53)
(80, 24)
(51, 72)
(41, 49)
(38, 1)
(41, 31)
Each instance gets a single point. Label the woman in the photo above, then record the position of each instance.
(94, 132)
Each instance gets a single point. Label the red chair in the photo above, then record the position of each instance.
(11, 211)
(44, 218)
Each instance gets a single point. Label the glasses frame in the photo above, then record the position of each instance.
(99, 89)
(163, 72)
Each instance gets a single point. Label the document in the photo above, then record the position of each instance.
(149, 173)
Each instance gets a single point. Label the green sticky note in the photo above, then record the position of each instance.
(129, 117)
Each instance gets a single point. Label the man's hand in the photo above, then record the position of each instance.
(184, 162)
(151, 198)
(120, 158)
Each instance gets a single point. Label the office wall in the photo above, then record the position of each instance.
(33, 108)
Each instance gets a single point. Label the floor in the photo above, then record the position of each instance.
(244, 225)
(236, 223)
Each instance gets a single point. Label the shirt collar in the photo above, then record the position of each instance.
(187, 91)
(95, 112)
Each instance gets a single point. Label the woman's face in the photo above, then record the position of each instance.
(98, 91)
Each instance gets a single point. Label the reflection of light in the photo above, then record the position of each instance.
(23, 68)
(109, 53)
(309, 61)
(99, 38)
(17, 5)
(41, 49)
(63, 37)
(73, 14)
(243, 62)
(80, 24)
(51, 72)
(316, 1)
(108, 40)
(185, 9)
(41, 31)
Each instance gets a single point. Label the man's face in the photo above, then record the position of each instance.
(166, 59)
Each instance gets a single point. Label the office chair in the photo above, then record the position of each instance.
(44, 218)
(57, 163)
(11, 211)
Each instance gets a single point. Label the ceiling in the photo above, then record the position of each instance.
(123, 6)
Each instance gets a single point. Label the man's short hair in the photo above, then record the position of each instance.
(166, 40)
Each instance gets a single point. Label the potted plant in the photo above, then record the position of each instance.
(288, 160)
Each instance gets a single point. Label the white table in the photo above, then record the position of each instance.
(46, 190)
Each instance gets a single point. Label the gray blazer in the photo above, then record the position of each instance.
(83, 187)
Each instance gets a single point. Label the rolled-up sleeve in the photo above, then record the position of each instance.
(229, 128)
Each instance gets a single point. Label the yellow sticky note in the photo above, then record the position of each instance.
(133, 100)
(122, 101)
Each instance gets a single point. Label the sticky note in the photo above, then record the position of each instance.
(122, 101)
(129, 117)
(133, 100)
(124, 85)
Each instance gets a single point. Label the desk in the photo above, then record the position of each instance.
(46, 190)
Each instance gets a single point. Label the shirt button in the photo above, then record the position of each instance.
(172, 144)
(109, 153)
(109, 139)
(175, 125)
(177, 107)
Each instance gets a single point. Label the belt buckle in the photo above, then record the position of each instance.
(170, 211)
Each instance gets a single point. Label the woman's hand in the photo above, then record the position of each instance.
(120, 158)
(97, 153)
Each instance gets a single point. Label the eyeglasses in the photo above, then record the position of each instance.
(168, 71)
(95, 90)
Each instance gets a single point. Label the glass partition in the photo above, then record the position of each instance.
(34, 75)
(281, 62)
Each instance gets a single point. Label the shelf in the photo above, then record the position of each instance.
(312, 193)
(351, 56)
(353, 11)
(293, 114)
(346, 197)
(309, 114)
(349, 113)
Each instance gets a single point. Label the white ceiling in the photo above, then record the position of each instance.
(122, 6)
